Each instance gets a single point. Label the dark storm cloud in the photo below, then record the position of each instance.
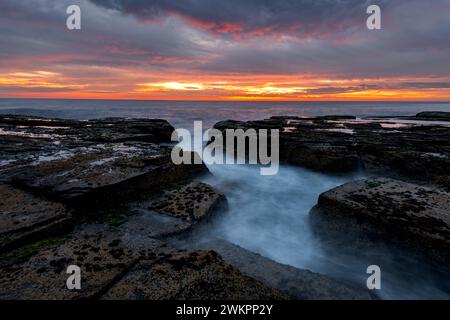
(37, 29)
(413, 41)
(252, 16)
(425, 85)
(323, 37)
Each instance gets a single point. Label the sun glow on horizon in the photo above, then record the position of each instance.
(302, 51)
(128, 84)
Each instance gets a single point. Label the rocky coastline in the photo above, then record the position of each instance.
(104, 195)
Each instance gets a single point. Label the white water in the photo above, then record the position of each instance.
(270, 215)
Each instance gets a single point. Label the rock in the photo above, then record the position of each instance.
(410, 213)
(434, 115)
(65, 161)
(25, 122)
(99, 253)
(283, 118)
(305, 145)
(380, 146)
(101, 172)
(98, 130)
(337, 117)
(26, 139)
(299, 284)
(150, 224)
(25, 217)
(197, 275)
(176, 210)
(272, 123)
(86, 161)
(120, 170)
(114, 267)
(121, 130)
(193, 202)
(230, 124)
(420, 153)
(320, 157)
(443, 182)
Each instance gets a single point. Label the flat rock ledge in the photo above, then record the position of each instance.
(416, 148)
(54, 172)
(89, 174)
(104, 195)
(113, 268)
(194, 275)
(57, 174)
(25, 217)
(175, 211)
(298, 283)
(84, 161)
(414, 214)
(194, 202)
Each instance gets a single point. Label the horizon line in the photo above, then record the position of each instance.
(263, 101)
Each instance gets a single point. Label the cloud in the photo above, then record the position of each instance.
(254, 17)
(126, 43)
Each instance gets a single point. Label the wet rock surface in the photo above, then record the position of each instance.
(71, 159)
(407, 213)
(57, 175)
(109, 191)
(114, 267)
(106, 169)
(152, 224)
(195, 275)
(434, 115)
(403, 211)
(98, 130)
(100, 254)
(299, 284)
(193, 202)
(415, 148)
(24, 216)
(175, 210)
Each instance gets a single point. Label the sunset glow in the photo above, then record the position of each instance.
(181, 54)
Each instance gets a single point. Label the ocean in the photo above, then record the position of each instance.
(183, 113)
(270, 214)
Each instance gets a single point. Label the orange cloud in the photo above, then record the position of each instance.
(125, 83)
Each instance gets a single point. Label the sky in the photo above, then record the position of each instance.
(284, 50)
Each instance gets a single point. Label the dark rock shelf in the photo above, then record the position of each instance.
(105, 195)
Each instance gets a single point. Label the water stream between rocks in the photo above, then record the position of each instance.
(270, 215)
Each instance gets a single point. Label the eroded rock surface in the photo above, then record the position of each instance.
(53, 170)
(415, 214)
(93, 159)
(176, 210)
(149, 223)
(95, 172)
(416, 148)
(193, 202)
(197, 275)
(434, 115)
(24, 216)
(299, 284)
(98, 130)
(114, 267)
(58, 173)
(101, 256)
